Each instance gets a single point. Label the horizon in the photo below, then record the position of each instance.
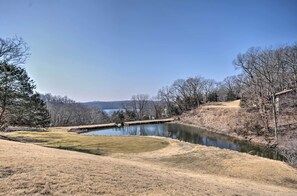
(110, 50)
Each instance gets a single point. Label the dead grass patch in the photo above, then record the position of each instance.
(100, 145)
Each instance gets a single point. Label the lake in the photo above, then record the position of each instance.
(110, 111)
(190, 134)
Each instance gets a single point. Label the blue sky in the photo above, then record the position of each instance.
(112, 49)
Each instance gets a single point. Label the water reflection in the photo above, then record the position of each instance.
(140, 130)
(192, 135)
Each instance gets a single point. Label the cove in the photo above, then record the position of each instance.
(190, 134)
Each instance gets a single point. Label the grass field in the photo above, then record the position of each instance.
(103, 145)
(179, 169)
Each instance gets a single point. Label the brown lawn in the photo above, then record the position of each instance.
(178, 169)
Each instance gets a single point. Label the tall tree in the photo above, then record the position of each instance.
(17, 97)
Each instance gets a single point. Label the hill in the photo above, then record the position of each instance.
(229, 118)
(106, 104)
(102, 105)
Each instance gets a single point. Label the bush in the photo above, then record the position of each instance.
(291, 156)
(251, 124)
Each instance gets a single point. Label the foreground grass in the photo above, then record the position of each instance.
(179, 169)
(100, 145)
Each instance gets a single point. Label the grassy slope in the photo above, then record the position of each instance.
(214, 116)
(229, 119)
(222, 117)
(179, 169)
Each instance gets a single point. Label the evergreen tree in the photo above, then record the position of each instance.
(19, 104)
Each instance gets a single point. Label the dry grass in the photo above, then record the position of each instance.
(225, 118)
(229, 104)
(60, 138)
(219, 118)
(221, 162)
(179, 169)
(133, 166)
(229, 119)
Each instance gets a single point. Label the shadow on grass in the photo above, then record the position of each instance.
(32, 140)
(72, 148)
(22, 139)
(16, 129)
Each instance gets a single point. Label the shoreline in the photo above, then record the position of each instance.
(256, 140)
(86, 128)
(251, 139)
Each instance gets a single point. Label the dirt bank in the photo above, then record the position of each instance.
(221, 118)
(229, 119)
(179, 169)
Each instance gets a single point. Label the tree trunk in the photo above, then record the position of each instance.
(275, 116)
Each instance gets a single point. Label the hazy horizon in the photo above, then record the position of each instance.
(109, 50)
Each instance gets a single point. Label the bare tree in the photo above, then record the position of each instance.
(197, 87)
(64, 111)
(180, 91)
(13, 51)
(209, 87)
(184, 95)
(139, 103)
(165, 94)
(266, 72)
(18, 100)
(158, 106)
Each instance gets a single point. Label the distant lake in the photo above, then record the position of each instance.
(190, 134)
(110, 111)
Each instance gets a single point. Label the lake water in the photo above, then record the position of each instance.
(110, 111)
(192, 135)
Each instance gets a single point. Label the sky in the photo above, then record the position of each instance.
(112, 49)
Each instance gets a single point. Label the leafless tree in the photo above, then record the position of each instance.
(267, 72)
(139, 103)
(64, 112)
(13, 51)
(158, 107)
(196, 87)
(166, 95)
(210, 86)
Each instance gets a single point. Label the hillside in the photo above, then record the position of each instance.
(220, 117)
(230, 119)
(102, 105)
(106, 104)
(179, 169)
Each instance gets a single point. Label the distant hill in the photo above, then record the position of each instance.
(106, 104)
(112, 104)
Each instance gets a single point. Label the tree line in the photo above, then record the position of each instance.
(182, 95)
(66, 112)
(186, 94)
(269, 83)
(266, 85)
